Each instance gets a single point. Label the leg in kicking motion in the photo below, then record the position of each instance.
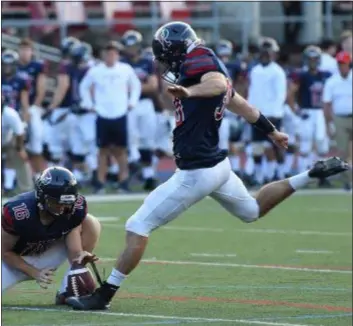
(182, 191)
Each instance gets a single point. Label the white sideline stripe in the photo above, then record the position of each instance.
(138, 197)
(121, 314)
(218, 264)
(109, 218)
(200, 229)
(211, 255)
(303, 251)
(301, 232)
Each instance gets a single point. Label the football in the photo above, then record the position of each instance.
(80, 281)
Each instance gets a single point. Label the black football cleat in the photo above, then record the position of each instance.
(326, 168)
(99, 300)
(60, 298)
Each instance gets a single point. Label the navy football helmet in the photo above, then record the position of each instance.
(312, 56)
(67, 43)
(132, 42)
(224, 48)
(170, 45)
(9, 61)
(56, 192)
(79, 53)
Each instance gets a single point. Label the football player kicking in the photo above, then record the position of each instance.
(43, 228)
(201, 94)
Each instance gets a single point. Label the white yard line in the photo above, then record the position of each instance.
(219, 264)
(193, 254)
(109, 218)
(121, 314)
(217, 230)
(304, 251)
(109, 198)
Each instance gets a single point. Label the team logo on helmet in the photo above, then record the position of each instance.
(163, 36)
(46, 179)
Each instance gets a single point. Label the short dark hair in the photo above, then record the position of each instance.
(113, 45)
(26, 42)
(327, 43)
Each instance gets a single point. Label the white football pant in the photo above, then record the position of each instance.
(313, 132)
(187, 187)
(52, 258)
(35, 131)
(83, 133)
(57, 134)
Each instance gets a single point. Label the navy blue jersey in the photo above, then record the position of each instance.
(31, 71)
(311, 88)
(75, 75)
(195, 137)
(11, 88)
(20, 217)
(143, 68)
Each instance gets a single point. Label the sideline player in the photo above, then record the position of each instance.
(43, 228)
(308, 86)
(35, 71)
(142, 119)
(201, 95)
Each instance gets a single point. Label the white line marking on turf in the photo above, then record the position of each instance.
(272, 231)
(297, 232)
(218, 264)
(304, 251)
(212, 255)
(121, 314)
(141, 196)
(109, 218)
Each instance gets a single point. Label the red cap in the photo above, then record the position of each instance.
(343, 57)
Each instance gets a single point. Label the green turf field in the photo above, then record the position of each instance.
(294, 267)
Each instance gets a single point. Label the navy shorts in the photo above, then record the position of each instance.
(111, 132)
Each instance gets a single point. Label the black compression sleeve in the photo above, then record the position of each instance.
(264, 125)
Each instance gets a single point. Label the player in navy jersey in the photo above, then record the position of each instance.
(229, 138)
(82, 131)
(142, 118)
(14, 88)
(202, 91)
(35, 71)
(43, 228)
(308, 86)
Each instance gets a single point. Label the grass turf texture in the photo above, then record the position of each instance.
(293, 267)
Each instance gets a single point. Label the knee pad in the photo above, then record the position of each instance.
(322, 147)
(250, 211)
(257, 159)
(146, 156)
(138, 227)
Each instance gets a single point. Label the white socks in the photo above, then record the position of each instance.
(300, 180)
(63, 285)
(147, 172)
(10, 176)
(116, 278)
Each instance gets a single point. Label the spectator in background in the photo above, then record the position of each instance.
(337, 98)
(328, 62)
(291, 30)
(346, 42)
(116, 90)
